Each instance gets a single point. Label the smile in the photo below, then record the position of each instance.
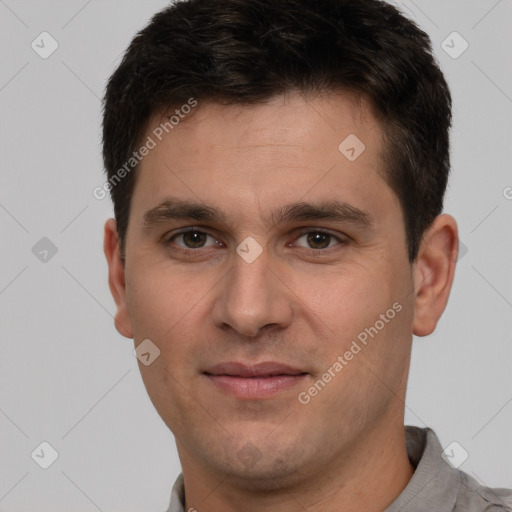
(260, 381)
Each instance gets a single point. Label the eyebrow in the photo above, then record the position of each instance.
(181, 209)
(338, 211)
(331, 210)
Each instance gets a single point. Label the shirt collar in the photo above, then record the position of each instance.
(177, 496)
(434, 485)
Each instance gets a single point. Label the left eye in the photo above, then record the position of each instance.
(317, 240)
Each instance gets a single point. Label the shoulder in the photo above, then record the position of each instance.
(474, 497)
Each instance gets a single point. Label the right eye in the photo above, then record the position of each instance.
(193, 238)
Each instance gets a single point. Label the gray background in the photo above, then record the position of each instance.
(67, 376)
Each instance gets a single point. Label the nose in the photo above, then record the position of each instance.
(252, 298)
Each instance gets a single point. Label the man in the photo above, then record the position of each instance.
(278, 171)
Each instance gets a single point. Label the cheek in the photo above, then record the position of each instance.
(164, 307)
(169, 392)
(346, 300)
(366, 317)
(171, 309)
(160, 300)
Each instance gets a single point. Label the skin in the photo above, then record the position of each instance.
(296, 303)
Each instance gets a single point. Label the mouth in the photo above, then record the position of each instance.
(258, 381)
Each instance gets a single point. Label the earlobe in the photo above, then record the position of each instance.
(116, 278)
(434, 270)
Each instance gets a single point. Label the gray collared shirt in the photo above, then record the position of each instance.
(434, 487)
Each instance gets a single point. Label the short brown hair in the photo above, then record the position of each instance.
(247, 51)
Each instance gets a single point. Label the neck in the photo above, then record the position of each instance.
(370, 478)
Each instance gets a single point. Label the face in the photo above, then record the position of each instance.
(268, 265)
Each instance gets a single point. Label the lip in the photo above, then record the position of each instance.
(254, 381)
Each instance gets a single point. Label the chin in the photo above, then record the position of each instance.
(265, 477)
(256, 466)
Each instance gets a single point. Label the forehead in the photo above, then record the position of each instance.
(289, 149)
(288, 120)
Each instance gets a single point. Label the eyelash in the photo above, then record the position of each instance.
(188, 251)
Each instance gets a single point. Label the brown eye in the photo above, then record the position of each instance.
(317, 240)
(193, 239)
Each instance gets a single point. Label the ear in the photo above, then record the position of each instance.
(116, 278)
(433, 273)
